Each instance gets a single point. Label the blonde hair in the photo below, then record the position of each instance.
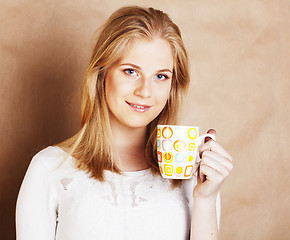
(92, 145)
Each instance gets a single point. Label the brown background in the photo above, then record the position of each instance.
(239, 55)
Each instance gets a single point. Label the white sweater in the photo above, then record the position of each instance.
(58, 201)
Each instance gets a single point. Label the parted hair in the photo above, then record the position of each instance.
(92, 145)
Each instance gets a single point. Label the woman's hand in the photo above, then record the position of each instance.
(215, 166)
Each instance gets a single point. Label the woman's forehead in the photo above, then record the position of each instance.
(148, 54)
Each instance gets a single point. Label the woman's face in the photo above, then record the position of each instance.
(138, 86)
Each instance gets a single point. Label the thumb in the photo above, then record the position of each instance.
(211, 131)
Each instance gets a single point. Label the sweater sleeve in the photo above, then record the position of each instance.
(36, 208)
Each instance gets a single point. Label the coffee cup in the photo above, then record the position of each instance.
(177, 150)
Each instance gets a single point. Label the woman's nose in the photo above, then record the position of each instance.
(143, 88)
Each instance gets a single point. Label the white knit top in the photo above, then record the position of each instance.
(58, 201)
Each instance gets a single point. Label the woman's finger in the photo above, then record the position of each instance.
(212, 175)
(212, 145)
(214, 164)
(217, 160)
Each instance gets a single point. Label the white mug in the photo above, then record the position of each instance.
(177, 150)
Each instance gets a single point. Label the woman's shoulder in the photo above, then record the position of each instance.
(51, 157)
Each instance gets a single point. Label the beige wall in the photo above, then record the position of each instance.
(239, 53)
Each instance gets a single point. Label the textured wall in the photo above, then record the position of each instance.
(239, 54)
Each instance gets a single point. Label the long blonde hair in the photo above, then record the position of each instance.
(92, 145)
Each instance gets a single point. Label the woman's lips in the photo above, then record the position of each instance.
(139, 107)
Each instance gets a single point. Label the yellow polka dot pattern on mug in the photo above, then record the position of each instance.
(176, 150)
(192, 133)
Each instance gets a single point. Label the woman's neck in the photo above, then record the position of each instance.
(130, 145)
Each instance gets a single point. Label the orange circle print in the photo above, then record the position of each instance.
(167, 132)
(167, 157)
(158, 132)
(179, 145)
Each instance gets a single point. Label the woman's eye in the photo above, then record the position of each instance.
(161, 77)
(130, 72)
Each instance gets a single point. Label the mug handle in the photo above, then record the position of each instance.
(199, 142)
(202, 137)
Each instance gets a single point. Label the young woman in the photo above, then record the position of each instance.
(104, 182)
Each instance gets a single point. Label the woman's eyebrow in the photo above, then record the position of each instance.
(132, 65)
(139, 68)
